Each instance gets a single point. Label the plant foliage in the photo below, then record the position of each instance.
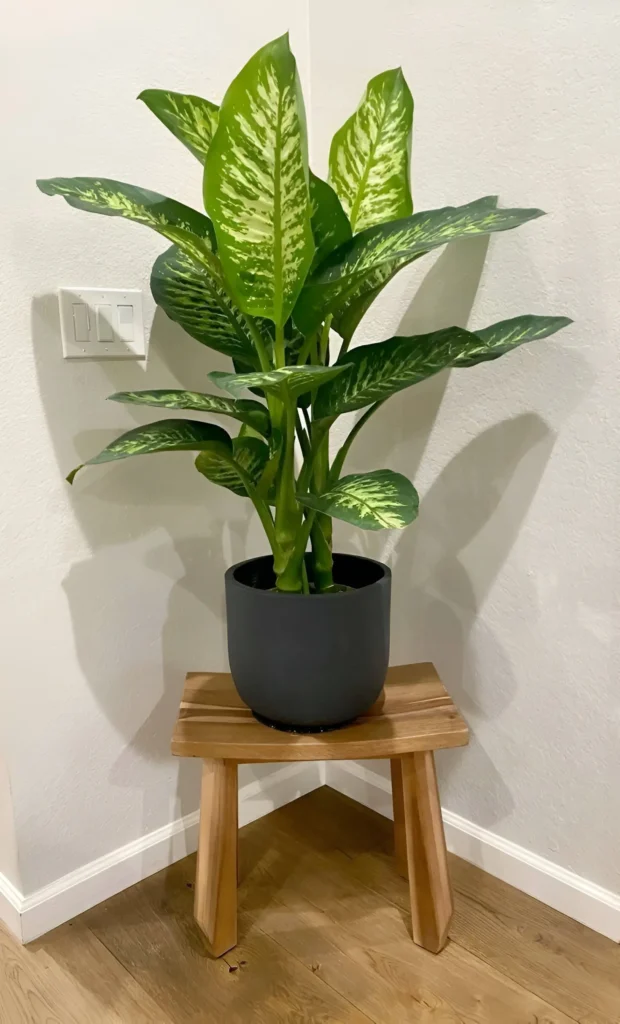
(281, 259)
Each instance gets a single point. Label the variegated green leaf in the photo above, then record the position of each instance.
(353, 308)
(161, 436)
(294, 380)
(330, 224)
(190, 118)
(194, 296)
(358, 269)
(380, 370)
(247, 460)
(191, 230)
(250, 413)
(500, 338)
(256, 184)
(370, 155)
(375, 501)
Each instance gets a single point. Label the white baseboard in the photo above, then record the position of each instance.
(10, 901)
(28, 917)
(563, 890)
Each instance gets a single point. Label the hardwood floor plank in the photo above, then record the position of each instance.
(324, 938)
(154, 935)
(360, 943)
(33, 990)
(562, 961)
(91, 968)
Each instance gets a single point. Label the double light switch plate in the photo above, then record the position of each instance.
(98, 323)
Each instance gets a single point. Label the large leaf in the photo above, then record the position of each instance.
(374, 501)
(162, 436)
(370, 155)
(256, 184)
(380, 370)
(252, 414)
(249, 456)
(294, 380)
(501, 337)
(353, 307)
(330, 224)
(190, 118)
(191, 230)
(194, 296)
(362, 266)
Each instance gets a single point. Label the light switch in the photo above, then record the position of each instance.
(105, 330)
(125, 322)
(81, 325)
(101, 323)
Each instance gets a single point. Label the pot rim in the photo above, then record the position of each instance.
(386, 575)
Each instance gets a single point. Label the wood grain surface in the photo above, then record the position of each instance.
(215, 901)
(414, 712)
(324, 937)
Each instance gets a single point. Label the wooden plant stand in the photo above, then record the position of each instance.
(413, 717)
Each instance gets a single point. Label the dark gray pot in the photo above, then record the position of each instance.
(308, 662)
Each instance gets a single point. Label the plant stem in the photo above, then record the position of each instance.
(288, 513)
(344, 348)
(279, 347)
(261, 506)
(259, 344)
(291, 579)
(322, 559)
(338, 462)
(304, 352)
(304, 440)
(322, 529)
(305, 586)
(319, 430)
(324, 341)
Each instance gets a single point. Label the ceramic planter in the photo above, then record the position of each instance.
(307, 662)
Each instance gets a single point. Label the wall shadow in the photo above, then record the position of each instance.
(169, 522)
(446, 563)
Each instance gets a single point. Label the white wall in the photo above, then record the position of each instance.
(111, 590)
(9, 865)
(509, 581)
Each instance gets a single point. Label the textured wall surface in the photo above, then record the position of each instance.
(9, 864)
(111, 590)
(510, 579)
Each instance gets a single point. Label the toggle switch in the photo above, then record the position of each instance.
(105, 331)
(125, 322)
(81, 325)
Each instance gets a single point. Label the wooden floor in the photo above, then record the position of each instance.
(323, 939)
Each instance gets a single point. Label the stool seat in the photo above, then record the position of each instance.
(414, 712)
(413, 717)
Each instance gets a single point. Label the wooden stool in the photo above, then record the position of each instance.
(413, 717)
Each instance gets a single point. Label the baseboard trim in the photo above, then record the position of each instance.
(563, 890)
(29, 917)
(10, 901)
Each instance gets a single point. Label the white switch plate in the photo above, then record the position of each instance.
(101, 323)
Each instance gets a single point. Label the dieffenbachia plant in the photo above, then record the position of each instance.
(281, 260)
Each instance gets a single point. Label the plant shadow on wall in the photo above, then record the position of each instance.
(481, 498)
(140, 622)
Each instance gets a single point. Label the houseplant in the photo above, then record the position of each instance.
(283, 264)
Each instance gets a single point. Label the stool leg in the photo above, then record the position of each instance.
(215, 904)
(400, 834)
(427, 862)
